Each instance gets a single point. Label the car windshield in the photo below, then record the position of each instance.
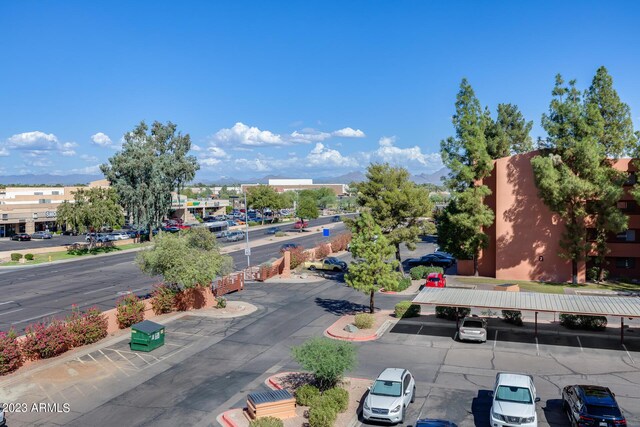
(472, 324)
(603, 411)
(387, 388)
(332, 261)
(513, 394)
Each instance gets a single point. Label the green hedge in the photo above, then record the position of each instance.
(403, 284)
(594, 323)
(29, 257)
(450, 312)
(267, 422)
(16, 256)
(364, 320)
(323, 413)
(406, 309)
(306, 395)
(338, 397)
(422, 271)
(512, 316)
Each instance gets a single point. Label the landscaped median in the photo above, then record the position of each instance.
(368, 327)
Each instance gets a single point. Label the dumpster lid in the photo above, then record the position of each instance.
(147, 326)
(269, 396)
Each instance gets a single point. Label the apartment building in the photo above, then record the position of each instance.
(525, 237)
(282, 185)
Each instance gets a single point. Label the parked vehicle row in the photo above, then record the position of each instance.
(436, 259)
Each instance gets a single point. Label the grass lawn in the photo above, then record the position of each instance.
(62, 255)
(551, 288)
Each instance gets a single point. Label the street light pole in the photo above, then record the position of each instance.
(247, 250)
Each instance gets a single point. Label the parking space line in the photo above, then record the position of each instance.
(79, 391)
(628, 354)
(143, 359)
(114, 364)
(537, 347)
(36, 317)
(8, 302)
(12, 311)
(133, 352)
(130, 362)
(45, 392)
(455, 337)
(495, 340)
(580, 343)
(98, 290)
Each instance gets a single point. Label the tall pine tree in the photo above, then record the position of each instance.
(509, 133)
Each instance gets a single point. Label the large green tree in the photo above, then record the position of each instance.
(185, 260)
(567, 172)
(509, 134)
(263, 197)
(396, 204)
(152, 163)
(91, 209)
(375, 267)
(461, 229)
(307, 208)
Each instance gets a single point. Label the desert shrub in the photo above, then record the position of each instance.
(512, 316)
(364, 320)
(422, 271)
(221, 302)
(280, 234)
(572, 321)
(340, 242)
(16, 256)
(129, 310)
(88, 327)
(163, 299)
(450, 313)
(44, 340)
(403, 284)
(10, 354)
(339, 397)
(405, 309)
(592, 274)
(322, 251)
(254, 223)
(298, 256)
(29, 257)
(306, 395)
(327, 359)
(322, 414)
(267, 422)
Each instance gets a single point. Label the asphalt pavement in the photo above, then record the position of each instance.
(49, 290)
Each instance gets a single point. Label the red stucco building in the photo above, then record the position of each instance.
(525, 237)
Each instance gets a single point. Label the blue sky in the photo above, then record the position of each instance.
(304, 88)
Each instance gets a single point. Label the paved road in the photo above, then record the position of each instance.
(60, 241)
(30, 294)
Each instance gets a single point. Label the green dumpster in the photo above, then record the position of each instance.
(146, 336)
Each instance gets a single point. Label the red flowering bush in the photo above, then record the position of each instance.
(88, 327)
(10, 355)
(44, 340)
(322, 251)
(298, 256)
(129, 310)
(163, 299)
(340, 242)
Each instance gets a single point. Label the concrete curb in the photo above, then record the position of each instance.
(224, 419)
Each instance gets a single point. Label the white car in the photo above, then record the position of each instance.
(119, 235)
(514, 401)
(473, 328)
(3, 420)
(389, 396)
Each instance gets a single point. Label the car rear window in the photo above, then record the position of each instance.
(603, 411)
(472, 324)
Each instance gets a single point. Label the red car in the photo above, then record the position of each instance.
(300, 224)
(436, 280)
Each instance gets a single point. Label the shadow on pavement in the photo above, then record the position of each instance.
(480, 407)
(554, 414)
(340, 307)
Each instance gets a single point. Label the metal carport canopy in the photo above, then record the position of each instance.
(531, 301)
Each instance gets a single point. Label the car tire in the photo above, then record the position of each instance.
(413, 395)
(312, 268)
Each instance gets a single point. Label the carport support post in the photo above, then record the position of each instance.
(536, 331)
(621, 330)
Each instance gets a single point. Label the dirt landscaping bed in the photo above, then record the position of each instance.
(383, 319)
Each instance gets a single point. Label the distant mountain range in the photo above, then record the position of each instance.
(48, 179)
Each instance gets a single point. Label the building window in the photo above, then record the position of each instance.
(626, 263)
(5, 216)
(627, 236)
(44, 200)
(55, 193)
(38, 193)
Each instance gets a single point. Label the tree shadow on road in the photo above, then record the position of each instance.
(340, 307)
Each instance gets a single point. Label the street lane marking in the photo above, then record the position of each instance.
(97, 290)
(628, 354)
(495, 340)
(579, 342)
(455, 337)
(36, 317)
(12, 311)
(8, 302)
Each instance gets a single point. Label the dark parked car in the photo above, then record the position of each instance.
(336, 218)
(430, 260)
(69, 233)
(426, 422)
(591, 405)
(289, 246)
(21, 237)
(41, 235)
(445, 255)
(273, 230)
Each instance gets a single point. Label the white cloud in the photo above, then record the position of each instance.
(257, 165)
(3, 152)
(217, 152)
(35, 140)
(245, 135)
(412, 158)
(67, 149)
(324, 156)
(349, 133)
(209, 161)
(195, 147)
(307, 136)
(101, 139)
(88, 158)
(89, 170)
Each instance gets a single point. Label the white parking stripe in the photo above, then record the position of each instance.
(12, 311)
(628, 354)
(537, 347)
(495, 340)
(8, 302)
(580, 342)
(36, 317)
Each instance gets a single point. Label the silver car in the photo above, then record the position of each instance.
(473, 329)
(389, 396)
(234, 236)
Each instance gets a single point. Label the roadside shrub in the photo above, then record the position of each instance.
(512, 316)
(16, 256)
(221, 302)
(364, 320)
(322, 414)
(280, 234)
(405, 309)
(129, 310)
(44, 340)
(422, 271)
(306, 395)
(298, 256)
(572, 321)
(327, 359)
(449, 313)
(253, 223)
(322, 251)
(592, 274)
(29, 257)
(340, 242)
(10, 354)
(163, 299)
(403, 284)
(339, 398)
(88, 327)
(267, 422)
